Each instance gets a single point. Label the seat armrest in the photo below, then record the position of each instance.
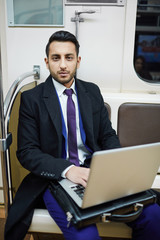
(42, 222)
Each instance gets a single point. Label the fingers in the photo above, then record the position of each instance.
(78, 175)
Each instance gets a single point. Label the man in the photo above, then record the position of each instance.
(44, 142)
(140, 68)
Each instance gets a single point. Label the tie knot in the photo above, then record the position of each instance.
(68, 92)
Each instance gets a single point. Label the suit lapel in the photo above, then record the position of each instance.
(85, 105)
(86, 110)
(52, 104)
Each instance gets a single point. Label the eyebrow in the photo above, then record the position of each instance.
(56, 54)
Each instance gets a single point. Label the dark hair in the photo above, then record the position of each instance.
(142, 59)
(63, 36)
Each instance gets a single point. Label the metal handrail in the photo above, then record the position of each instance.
(77, 19)
(15, 85)
(6, 138)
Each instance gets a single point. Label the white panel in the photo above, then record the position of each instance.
(101, 38)
(3, 46)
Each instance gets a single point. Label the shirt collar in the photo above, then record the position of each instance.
(60, 87)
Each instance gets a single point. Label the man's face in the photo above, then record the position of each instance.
(63, 62)
(138, 65)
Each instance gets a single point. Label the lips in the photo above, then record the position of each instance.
(63, 74)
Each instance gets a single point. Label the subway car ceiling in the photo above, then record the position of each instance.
(119, 39)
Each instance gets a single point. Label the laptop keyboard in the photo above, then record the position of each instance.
(79, 190)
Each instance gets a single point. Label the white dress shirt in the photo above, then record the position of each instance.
(82, 151)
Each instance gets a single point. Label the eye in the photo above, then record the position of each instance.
(55, 58)
(69, 58)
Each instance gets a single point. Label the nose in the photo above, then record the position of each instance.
(63, 63)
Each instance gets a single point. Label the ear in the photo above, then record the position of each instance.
(46, 61)
(78, 62)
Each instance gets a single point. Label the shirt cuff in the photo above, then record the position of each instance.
(65, 171)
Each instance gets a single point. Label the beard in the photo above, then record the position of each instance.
(63, 80)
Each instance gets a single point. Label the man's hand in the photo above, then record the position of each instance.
(78, 175)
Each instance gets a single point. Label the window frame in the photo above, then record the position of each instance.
(11, 17)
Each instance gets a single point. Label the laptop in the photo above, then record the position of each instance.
(116, 173)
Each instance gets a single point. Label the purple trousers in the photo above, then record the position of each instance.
(146, 227)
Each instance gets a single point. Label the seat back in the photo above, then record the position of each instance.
(17, 172)
(108, 109)
(138, 123)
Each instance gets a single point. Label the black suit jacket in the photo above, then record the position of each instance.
(40, 144)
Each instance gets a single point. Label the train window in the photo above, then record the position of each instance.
(147, 41)
(35, 12)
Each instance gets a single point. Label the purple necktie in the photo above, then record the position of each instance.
(72, 134)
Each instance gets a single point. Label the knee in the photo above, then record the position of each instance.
(150, 216)
(89, 233)
(152, 213)
(88, 237)
(146, 226)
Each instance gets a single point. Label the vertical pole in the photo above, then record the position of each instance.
(3, 137)
(77, 24)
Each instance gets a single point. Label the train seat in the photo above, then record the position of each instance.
(108, 109)
(42, 222)
(138, 123)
